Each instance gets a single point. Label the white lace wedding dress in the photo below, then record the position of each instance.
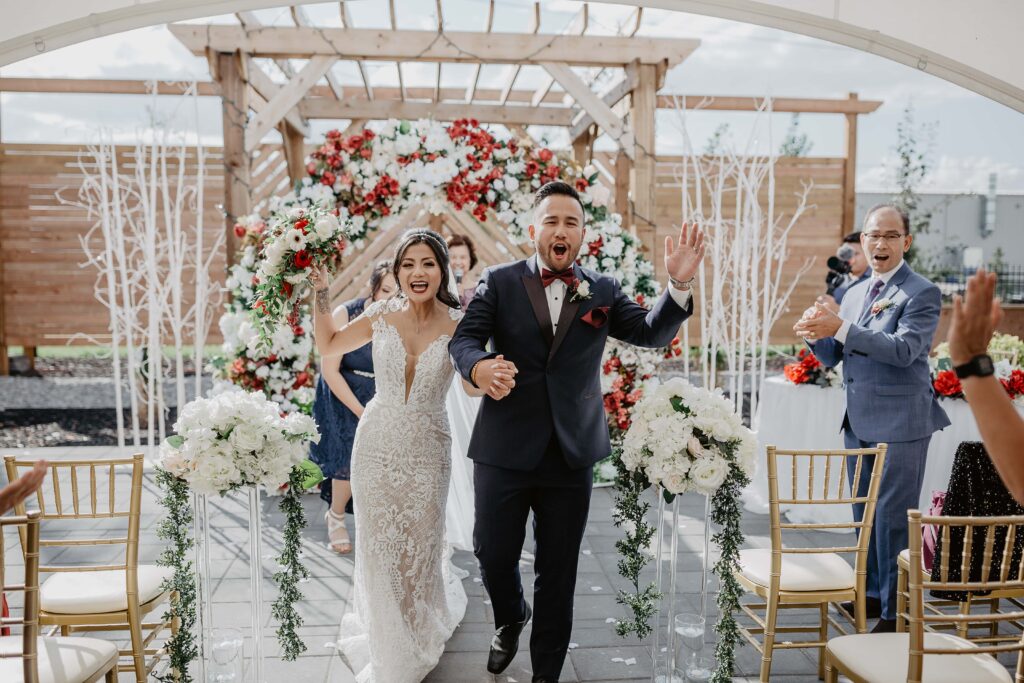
(406, 600)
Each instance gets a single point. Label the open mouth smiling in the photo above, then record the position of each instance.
(419, 287)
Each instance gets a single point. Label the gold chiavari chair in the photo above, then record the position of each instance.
(1014, 598)
(923, 653)
(797, 577)
(95, 597)
(30, 659)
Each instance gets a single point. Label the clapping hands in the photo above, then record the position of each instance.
(23, 487)
(496, 376)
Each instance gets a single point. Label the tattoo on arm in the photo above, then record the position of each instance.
(323, 301)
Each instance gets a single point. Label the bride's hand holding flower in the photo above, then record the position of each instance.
(319, 278)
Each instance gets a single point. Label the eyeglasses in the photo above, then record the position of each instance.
(888, 237)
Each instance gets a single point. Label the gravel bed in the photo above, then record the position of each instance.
(34, 428)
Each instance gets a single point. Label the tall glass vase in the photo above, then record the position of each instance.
(204, 618)
(665, 645)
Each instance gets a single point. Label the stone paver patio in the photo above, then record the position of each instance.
(595, 644)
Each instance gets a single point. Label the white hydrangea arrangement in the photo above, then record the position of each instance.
(236, 439)
(686, 438)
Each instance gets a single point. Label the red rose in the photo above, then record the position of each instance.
(369, 134)
(581, 184)
(287, 287)
(366, 152)
(301, 224)
(531, 168)
(302, 379)
(302, 259)
(473, 123)
(946, 383)
(796, 373)
(239, 230)
(333, 134)
(545, 154)
(640, 299)
(595, 246)
(327, 178)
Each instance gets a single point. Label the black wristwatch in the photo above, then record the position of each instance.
(979, 366)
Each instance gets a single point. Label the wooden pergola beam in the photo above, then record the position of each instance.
(516, 68)
(593, 105)
(324, 108)
(346, 22)
(471, 91)
(427, 46)
(300, 18)
(578, 26)
(264, 90)
(237, 161)
(285, 99)
(249, 20)
(795, 105)
(583, 121)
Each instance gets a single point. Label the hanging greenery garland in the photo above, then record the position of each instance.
(175, 530)
(683, 438)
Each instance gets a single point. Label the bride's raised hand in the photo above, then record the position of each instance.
(320, 278)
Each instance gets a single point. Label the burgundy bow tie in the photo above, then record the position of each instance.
(549, 276)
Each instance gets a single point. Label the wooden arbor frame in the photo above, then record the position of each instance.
(625, 110)
(243, 60)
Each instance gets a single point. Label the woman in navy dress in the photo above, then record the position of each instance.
(345, 385)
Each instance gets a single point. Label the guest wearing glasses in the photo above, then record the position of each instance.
(975, 317)
(883, 333)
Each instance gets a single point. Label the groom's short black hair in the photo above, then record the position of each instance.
(556, 187)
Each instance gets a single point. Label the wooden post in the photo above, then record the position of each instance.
(642, 112)
(436, 223)
(237, 162)
(850, 175)
(294, 151)
(623, 170)
(582, 147)
(30, 354)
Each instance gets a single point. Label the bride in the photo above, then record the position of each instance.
(407, 601)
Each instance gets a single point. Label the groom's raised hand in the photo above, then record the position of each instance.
(683, 259)
(496, 376)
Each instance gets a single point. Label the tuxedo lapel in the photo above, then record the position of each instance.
(567, 315)
(539, 302)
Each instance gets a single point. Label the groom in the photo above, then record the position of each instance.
(537, 436)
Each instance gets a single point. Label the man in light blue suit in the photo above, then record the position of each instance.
(883, 333)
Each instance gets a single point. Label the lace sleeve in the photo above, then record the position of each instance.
(456, 314)
(379, 308)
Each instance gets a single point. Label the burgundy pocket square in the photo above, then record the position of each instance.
(596, 317)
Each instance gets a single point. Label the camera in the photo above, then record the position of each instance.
(838, 268)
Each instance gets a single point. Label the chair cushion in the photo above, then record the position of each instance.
(92, 592)
(884, 658)
(800, 571)
(61, 660)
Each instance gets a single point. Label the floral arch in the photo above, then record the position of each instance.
(358, 184)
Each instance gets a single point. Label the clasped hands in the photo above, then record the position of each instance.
(496, 376)
(820, 320)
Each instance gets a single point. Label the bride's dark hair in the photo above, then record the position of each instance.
(437, 245)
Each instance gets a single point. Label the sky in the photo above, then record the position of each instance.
(972, 136)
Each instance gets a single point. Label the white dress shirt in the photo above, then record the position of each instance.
(557, 292)
(884, 277)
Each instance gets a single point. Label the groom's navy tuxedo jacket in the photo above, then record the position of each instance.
(558, 388)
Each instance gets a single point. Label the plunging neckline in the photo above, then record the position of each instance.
(410, 384)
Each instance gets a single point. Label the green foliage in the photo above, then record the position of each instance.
(630, 513)
(726, 514)
(175, 529)
(714, 143)
(292, 570)
(914, 145)
(795, 144)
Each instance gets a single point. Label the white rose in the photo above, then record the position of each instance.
(583, 289)
(708, 474)
(326, 226)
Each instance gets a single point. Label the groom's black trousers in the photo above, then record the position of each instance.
(560, 500)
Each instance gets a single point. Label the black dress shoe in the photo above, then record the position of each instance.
(872, 608)
(885, 626)
(505, 644)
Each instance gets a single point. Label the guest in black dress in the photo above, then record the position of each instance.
(462, 253)
(345, 386)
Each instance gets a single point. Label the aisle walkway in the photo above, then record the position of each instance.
(597, 654)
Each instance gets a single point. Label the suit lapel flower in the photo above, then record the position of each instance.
(881, 305)
(580, 290)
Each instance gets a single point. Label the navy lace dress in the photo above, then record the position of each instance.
(336, 422)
